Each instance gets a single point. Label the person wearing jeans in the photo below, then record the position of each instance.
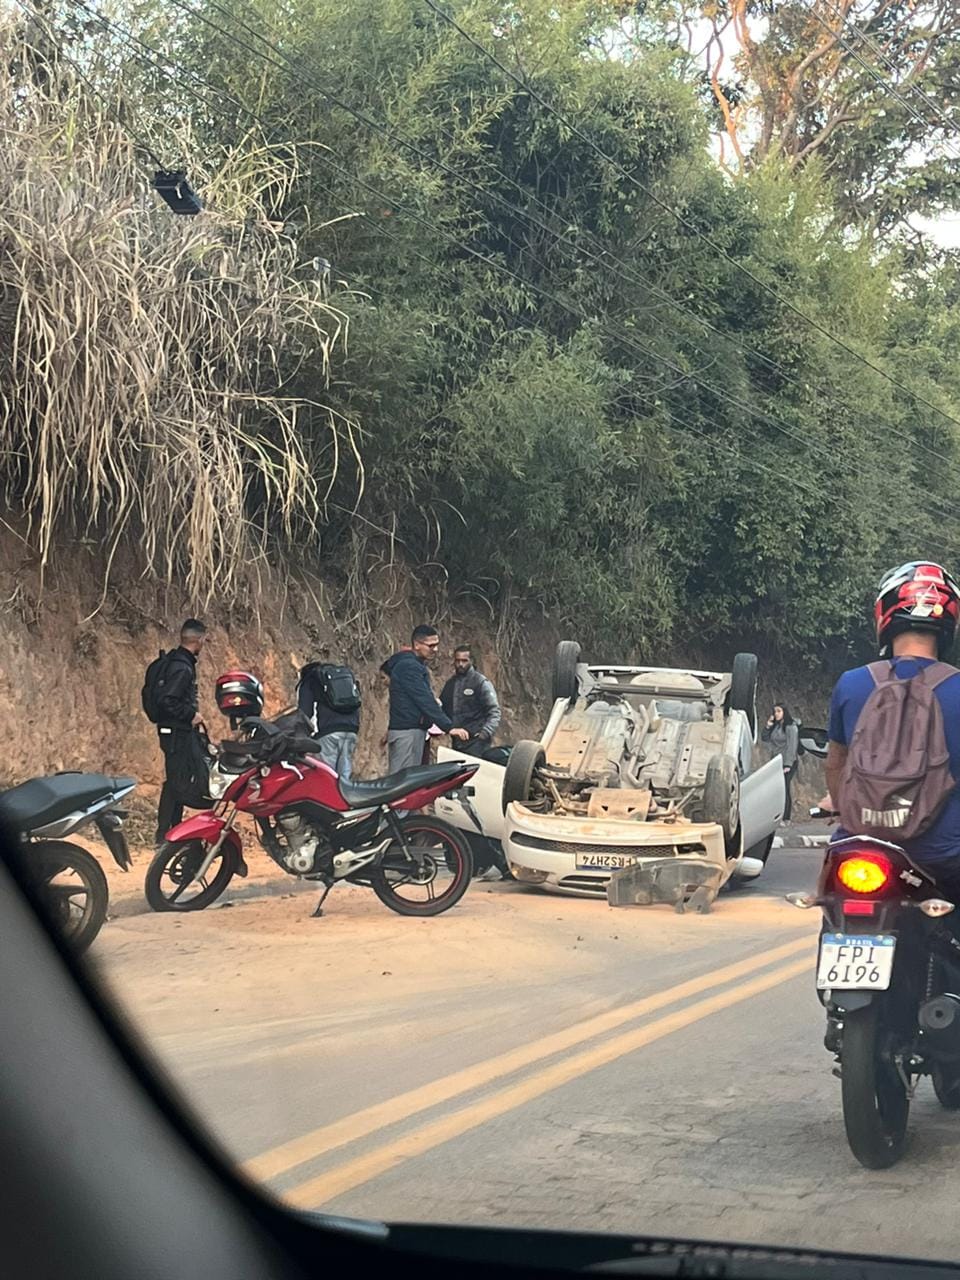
(335, 731)
(783, 734)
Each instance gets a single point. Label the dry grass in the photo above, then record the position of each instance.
(149, 361)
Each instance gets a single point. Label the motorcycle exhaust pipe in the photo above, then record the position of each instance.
(939, 1021)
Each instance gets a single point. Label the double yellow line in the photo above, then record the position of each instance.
(343, 1177)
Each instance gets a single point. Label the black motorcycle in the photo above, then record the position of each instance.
(41, 813)
(888, 976)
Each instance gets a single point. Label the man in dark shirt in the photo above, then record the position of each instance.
(470, 700)
(413, 704)
(179, 729)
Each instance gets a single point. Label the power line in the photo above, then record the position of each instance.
(285, 63)
(678, 371)
(606, 260)
(635, 344)
(685, 222)
(31, 12)
(887, 85)
(684, 426)
(945, 512)
(158, 59)
(891, 66)
(681, 373)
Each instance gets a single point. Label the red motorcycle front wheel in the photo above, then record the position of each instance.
(170, 886)
(433, 885)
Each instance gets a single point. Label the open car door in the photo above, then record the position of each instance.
(762, 797)
(486, 786)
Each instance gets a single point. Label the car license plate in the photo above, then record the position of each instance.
(604, 861)
(855, 962)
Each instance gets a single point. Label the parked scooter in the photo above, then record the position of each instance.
(45, 810)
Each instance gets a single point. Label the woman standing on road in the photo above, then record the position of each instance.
(784, 736)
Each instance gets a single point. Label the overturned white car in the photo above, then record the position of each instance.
(642, 786)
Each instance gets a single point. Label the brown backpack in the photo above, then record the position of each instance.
(897, 775)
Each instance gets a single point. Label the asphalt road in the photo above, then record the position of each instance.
(533, 1060)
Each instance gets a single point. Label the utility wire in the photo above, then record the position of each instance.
(31, 12)
(887, 85)
(283, 62)
(629, 341)
(684, 221)
(677, 370)
(930, 103)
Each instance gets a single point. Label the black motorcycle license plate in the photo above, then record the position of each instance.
(855, 962)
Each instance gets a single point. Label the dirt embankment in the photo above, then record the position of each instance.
(73, 658)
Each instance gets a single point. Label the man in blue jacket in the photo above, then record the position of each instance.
(414, 706)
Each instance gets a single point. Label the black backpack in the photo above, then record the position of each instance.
(153, 682)
(336, 687)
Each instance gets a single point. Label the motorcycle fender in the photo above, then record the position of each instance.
(204, 826)
(110, 826)
(849, 1001)
(207, 827)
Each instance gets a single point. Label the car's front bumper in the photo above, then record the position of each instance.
(561, 852)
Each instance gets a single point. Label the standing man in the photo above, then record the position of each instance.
(176, 701)
(413, 704)
(470, 700)
(329, 697)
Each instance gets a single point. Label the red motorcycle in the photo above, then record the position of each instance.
(316, 826)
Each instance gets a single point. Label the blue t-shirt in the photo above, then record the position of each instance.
(941, 842)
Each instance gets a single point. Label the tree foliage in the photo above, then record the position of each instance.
(589, 371)
(148, 362)
(868, 88)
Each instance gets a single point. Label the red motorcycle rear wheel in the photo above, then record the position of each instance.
(443, 879)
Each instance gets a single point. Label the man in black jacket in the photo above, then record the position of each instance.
(413, 704)
(179, 729)
(470, 700)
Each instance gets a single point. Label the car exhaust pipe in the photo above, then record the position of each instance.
(939, 1020)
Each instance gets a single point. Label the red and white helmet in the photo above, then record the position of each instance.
(919, 596)
(239, 694)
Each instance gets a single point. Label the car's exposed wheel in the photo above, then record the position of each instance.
(525, 759)
(721, 795)
(565, 669)
(743, 687)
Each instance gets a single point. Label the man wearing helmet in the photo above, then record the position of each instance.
(916, 613)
